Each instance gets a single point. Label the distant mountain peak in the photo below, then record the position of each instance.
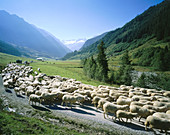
(74, 44)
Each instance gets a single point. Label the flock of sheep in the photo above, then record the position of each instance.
(124, 102)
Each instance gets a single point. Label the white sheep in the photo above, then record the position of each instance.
(38, 70)
(17, 90)
(124, 101)
(95, 100)
(162, 115)
(168, 112)
(69, 99)
(101, 102)
(112, 108)
(158, 123)
(124, 114)
(142, 112)
(167, 94)
(34, 98)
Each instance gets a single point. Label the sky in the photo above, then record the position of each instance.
(77, 19)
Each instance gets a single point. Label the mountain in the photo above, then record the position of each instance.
(9, 49)
(74, 44)
(146, 31)
(93, 40)
(15, 30)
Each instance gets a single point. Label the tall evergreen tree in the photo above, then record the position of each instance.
(123, 75)
(102, 64)
(142, 81)
(126, 59)
(93, 68)
(126, 78)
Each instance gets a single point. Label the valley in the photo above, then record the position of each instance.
(65, 65)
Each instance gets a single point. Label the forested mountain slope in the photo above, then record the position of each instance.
(148, 31)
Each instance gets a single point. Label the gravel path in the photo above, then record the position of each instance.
(86, 113)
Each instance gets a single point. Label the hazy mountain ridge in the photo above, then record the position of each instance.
(93, 40)
(15, 30)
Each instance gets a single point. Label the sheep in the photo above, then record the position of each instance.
(136, 98)
(124, 114)
(168, 112)
(17, 90)
(142, 112)
(68, 99)
(137, 103)
(35, 73)
(48, 97)
(164, 99)
(158, 123)
(39, 70)
(95, 100)
(36, 82)
(162, 115)
(167, 94)
(34, 98)
(159, 104)
(112, 108)
(30, 90)
(101, 102)
(81, 98)
(124, 101)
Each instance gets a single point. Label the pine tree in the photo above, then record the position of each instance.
(112, 77)
(102, 64)
(125, 59)
(142, 81)
(126, 78)
(123, 76)
(93, 68)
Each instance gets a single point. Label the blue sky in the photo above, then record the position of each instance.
(75, 19)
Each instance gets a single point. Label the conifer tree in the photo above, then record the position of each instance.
(102, 64)
(142, 81)
(93, 68)
(126, 59)
(123, 76)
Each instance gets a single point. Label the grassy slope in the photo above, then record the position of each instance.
(11, 123)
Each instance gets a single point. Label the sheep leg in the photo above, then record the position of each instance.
(107, 115)
(104, 115)
(122, 119)
(140, 118)
(62, 103)
(126, 119)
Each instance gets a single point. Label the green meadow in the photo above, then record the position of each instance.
(70, 69)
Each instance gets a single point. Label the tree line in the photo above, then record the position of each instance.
(96, 67)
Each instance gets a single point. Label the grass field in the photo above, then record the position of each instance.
(70, 69)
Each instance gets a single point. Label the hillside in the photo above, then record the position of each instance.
(15, 30)
(136, 35)
(93, 40)
(9, 49)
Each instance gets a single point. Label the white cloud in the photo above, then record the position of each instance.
(67, 42)
(81, 41)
